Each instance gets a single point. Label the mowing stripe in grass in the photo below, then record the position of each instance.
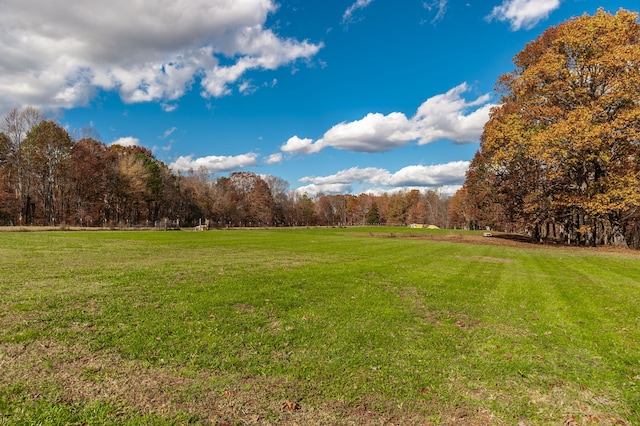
(384, 318)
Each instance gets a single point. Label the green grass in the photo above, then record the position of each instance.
(355, 326)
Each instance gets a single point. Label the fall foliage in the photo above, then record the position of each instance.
(559, 157)
(49, 178)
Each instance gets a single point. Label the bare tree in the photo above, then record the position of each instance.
(16, 125)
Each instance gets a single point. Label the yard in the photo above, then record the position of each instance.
(315, 326)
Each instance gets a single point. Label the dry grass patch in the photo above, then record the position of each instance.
(74, 375)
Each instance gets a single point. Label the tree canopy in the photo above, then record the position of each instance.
(559, 157)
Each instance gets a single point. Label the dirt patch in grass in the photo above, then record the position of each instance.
(486, 259)
(78, 376)
(33, 228)
(454, 237)
(497, 239)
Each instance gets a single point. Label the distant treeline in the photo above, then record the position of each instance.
(48, 177)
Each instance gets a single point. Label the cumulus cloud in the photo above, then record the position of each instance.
(56, 53)
(450, 116)
(449, 176)
(429, 176)
(298, 145)
(373, 133)
(214, 164)
(523, 13)
(359, 4)
(331, 188)
(444, 190)
(274, 158)
(126, 141)
(354, 174)
(445, 116)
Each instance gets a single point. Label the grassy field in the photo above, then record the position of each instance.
(315, 326)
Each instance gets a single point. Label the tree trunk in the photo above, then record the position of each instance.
(618, 238)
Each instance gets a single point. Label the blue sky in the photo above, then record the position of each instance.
(335, 96)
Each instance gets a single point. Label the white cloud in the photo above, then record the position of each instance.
(449, 189)
(439, 5)
(523, 13)
(359, 4)
(168, 107)
(445, 116)
(431, 176)
(354, 174)
(261, 49)
(450, 116)
(330, 188)
(215, 164)
(126, 141)
(374, 133)
(297, 145)
(449, 176)
(168, 132)
(444, 189)
(246, 87)
(57, 53)
(274, 158)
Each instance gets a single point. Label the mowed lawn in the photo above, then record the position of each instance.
(315, 326)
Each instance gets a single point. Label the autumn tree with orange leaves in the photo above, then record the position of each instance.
(560, 156)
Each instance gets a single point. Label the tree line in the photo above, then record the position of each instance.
(559, 160)
(48, 177)
(560, 157)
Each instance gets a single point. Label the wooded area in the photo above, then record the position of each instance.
(559, 157)
(559, 160)
(49, 178)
